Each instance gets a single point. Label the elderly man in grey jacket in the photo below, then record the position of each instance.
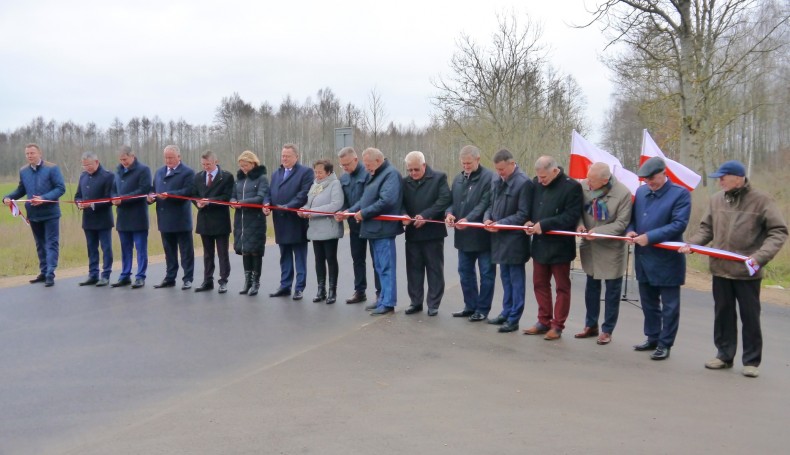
(607, 210)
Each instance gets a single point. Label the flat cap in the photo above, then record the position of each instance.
(651, 167)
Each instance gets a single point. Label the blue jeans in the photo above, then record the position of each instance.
(477, 298)
(130, 241)
(592, 300)
(290, 253)
(513, 284)
(46, 234)
(661, 307)
(384, 262)
(94, 238)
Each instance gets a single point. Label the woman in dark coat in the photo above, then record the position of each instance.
(249, 223)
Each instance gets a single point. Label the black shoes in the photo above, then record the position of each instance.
(165, 284)
(661, 353)
(647, 345)
(89, 282)
(358, 297)
(331, 296)
(463, 314)
(138, 283)
(121, 282)
(205, 286)
(508, 327)
(39, 279)
(499, 320)
(102, 282)
(49, 282)
(187, 285)
(298, 295)
(320, 296)
(382, 310)
(281, 292)
(413, 309)
(433, 311)
(477, 317)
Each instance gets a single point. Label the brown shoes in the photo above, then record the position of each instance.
(553, 335)
(537, 329)
(604, 338)
(588, 332)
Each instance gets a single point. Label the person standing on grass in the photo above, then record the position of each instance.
(97, 220)
(41, 181)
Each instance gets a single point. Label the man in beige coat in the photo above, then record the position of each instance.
(607, 210)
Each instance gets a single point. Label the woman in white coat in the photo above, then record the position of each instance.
(326, 195)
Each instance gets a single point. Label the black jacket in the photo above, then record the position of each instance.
(249, 224)
(214, 219)
(132, 214)
(557, 206)
(471, 198)
(96, 186)
(353, 186)
(510, 204)
(429, 197)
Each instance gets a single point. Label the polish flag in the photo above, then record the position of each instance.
(16, 212)
(679, 174)
(584, 154)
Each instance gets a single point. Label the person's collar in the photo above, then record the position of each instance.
(36, 166)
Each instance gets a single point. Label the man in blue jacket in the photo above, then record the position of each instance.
(353, 182)
(132, 185)
(660, 214)
(289, 188)
(382, 196)
(174, 216)
(97, 220)
(41, 181)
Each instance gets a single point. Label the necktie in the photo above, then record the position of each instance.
(169, 171)
(210, 180)
(287, 173)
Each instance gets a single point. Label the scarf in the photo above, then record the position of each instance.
(597, 206)
(319, 185)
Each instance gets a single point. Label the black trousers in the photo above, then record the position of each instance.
(222, 245)
(325, 257)
(359, 250)
(725, 325)
(425, 258)
(175, 243)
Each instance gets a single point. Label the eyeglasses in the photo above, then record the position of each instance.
(413, 170)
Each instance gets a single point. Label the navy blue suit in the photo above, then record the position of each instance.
(97, 220)
(43, 180)
(132, 217)
(290, 231)
(174, 219)
(663, 215)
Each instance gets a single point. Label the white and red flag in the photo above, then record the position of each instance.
(584, 154)
(679, 173)
(16, 212)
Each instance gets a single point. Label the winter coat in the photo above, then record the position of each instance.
(96, 186)
(744, 221)
(471, 198)
(353, 187)
(132, 214)
(325, 196)
(605, 259)
(45, 181)
(174, 214)
(289, 228)
(663, 215)
(510, 204)
(382, 196)
(557, 207)
(249, 223)
(430, 196)
(213, 219)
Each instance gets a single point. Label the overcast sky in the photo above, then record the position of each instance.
(95, 60)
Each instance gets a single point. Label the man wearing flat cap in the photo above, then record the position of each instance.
(660, 214)
(743, 220)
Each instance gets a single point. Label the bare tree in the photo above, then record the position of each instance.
(375, 116)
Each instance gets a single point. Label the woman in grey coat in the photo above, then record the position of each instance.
(326, 195)
(249, 224)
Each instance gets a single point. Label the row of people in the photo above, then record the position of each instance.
(507, 196)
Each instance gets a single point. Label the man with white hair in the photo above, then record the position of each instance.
(425, 197)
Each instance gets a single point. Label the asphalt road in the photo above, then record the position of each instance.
(87, 370)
